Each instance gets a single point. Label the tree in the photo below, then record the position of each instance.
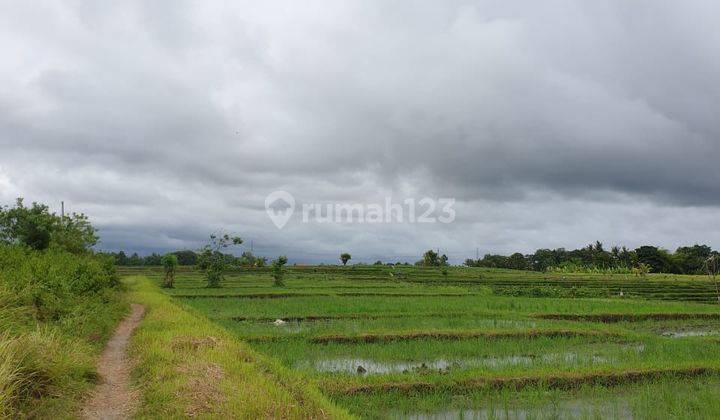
(121, 258)
(186, 257)
(169, 263)
(135, 260)
(658, 259)
(692, 259)
(517, 261)
(278, 271)
(345, 257)
(471, 263)
(29, 226)
(430, 258)
(443, 260)
(260, 261)
(212, 260)
(74, 234)
(641, 270)
(712, 267)
(37, 228)
(153, 259)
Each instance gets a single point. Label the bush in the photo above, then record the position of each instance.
(49, 281)
(56, 309)
(170, 263)
(277, 270)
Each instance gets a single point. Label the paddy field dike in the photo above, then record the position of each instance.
(409, 342)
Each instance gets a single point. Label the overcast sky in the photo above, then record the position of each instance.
(552, 124)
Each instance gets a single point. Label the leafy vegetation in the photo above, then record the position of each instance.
(278, 272)
(213, 261)
(345, 257)
(433, 259)
(594, 258)
(433, 342)
(37, 228)
(207, 372)
(170, 263)
(56, 311)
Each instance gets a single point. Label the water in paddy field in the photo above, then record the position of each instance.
(568, 409)
(488, 322)
(689, 333)
(372, 367)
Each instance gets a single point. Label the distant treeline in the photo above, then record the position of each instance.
(185, 257)
(685, 260)
(592, 258)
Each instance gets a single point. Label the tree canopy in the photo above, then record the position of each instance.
(37, 228)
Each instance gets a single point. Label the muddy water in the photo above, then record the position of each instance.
(689, 333)
(569, 409)
(373, 367)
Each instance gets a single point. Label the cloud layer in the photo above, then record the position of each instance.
(552, 125)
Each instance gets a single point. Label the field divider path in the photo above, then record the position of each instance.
(443, 335)
(368, 316)
(628, 317)
(337, 294)
(113, 398)
(562, 381)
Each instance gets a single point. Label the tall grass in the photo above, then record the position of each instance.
(11, 378)
(56, 310)
(207, 372)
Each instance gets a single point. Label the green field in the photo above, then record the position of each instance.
(479, 343)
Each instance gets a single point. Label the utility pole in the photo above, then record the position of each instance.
(251, 246)
(62, 209)
(477, 253)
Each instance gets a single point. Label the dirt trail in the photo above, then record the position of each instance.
(113, 398)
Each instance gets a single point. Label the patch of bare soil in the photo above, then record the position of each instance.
(113, 398)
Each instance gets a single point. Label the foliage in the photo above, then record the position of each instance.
(38, 229)
(277, 270)
(345, 257)
(186, 257)
(433, 259)
(712, 267)
(56, 310)
(641, 270)
(207, 372)
(247, 259)
(212, 260)
(594, 258)
(170, 263)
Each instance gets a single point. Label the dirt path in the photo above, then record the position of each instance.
(113, 398)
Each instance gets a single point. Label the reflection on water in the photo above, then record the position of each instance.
(369, 366)
(569, 409)
(689, 333)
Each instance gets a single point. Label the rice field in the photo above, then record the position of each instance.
(388, 342)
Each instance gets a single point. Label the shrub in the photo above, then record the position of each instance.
(170, 263)
(56, 308)
(277, 270)
(213, 261)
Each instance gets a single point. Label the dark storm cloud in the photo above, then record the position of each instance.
(166, 120)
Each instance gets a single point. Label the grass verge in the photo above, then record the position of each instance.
(188, 366)
(562, 381)
(56, 312)
(627, 317)
(457, 335)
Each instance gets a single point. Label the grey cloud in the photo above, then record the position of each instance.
(196, 111)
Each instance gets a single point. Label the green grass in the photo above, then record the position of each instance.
(186, 365)
(56, 312)
(460, 345)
